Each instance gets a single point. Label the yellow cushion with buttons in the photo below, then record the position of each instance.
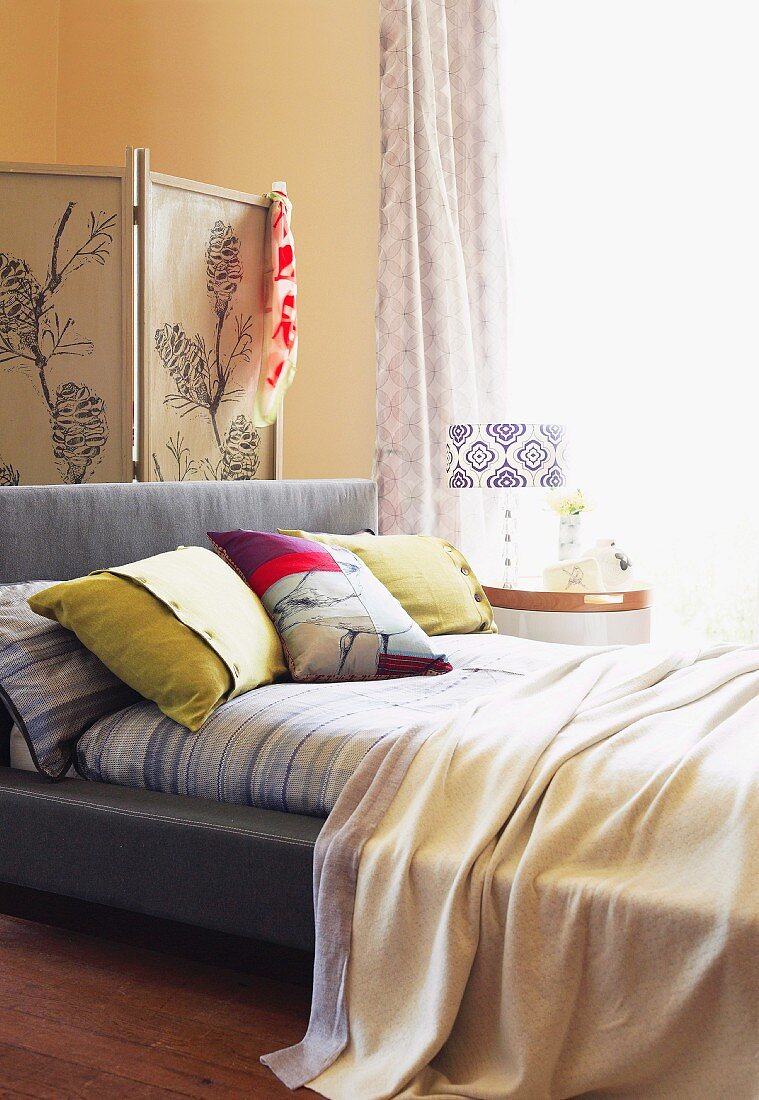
(429, 577)
(180, 628)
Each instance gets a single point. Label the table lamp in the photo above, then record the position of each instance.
(509, 457)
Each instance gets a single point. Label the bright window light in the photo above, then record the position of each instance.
(632, 209)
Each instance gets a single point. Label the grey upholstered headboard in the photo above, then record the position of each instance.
(55, 532)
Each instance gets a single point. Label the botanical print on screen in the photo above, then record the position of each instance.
(34, 332)
(202, 369)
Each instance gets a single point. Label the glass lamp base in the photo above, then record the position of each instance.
(509, 571)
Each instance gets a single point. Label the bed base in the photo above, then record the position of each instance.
(230, 868)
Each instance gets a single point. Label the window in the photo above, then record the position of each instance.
(632, 213)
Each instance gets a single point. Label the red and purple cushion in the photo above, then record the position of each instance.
(336, 621)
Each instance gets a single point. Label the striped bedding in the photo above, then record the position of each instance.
(51, 685)
(293, 746)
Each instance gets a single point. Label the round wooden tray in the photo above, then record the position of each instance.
(534, 599)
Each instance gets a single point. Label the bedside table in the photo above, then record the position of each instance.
(572, 618)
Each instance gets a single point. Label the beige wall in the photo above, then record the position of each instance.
(240, 93)
(28, 79)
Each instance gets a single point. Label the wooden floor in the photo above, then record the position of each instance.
(85, 1016)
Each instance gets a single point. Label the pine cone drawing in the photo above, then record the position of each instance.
(9, 475)
(80, 431)
(19, 292)
(183, 360)
(239, 455)
(223, 266)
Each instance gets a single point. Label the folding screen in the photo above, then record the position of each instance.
(66, 331)
(203, 260)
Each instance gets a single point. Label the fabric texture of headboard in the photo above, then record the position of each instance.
(56, 532)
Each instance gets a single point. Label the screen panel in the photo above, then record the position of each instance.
(66, 324)
(204, 254)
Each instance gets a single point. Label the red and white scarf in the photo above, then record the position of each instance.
(281, 329)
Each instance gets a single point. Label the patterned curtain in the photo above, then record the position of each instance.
(442, 282)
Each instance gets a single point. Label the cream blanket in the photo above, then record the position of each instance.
(555, 895)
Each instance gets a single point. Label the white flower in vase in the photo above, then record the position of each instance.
(569, 507)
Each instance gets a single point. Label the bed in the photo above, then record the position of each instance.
(534, 876)
(232, 868)
(216, 829)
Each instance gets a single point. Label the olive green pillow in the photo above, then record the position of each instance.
(429, 577)
(180, 628)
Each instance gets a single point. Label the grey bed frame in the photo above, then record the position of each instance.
(230, 868)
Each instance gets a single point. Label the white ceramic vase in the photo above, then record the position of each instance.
(569, 536)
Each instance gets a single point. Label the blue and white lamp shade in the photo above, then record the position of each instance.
(506, 456)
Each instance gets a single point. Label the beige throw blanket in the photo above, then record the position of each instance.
(556, 895)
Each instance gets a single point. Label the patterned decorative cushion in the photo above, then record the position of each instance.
(335, 619)
(179, 628)
(53, 687)
(429, 577)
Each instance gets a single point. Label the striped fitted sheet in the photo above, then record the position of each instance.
(293, 746)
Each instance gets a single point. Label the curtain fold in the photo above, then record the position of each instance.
(441, 304)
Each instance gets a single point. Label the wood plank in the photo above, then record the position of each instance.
(82, 1016)
(152, 980)
(229, 1031)
(36, 1075)
(26, 168)
(135, 1054)
(210, 189)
